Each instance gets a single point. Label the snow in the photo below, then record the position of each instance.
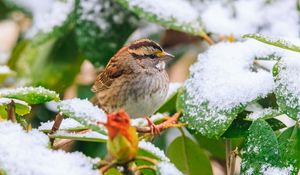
(244, 16)
(66, 124)
(6, 101)
(154, 150)
(267, 169)
(47, 14)
(166, 168)
(82, 109)
(261, 113)
(5, 70)
(178, 10)
(225, 78)
(27, 153)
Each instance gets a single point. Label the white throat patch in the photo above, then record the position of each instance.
(160, 65)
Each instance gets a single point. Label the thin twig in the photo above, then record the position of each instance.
(228, 155)
(58, 119)
(61, 143)
(148, 159)
(145, 167)
(11, 111)
(107, 167)
(233, 156)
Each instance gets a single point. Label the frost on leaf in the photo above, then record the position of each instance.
(21, 107)
(28, 153)
(175, 14)
(287, 79)
(48, 15)
(275, 42)
(84, 112)
(102, 27)
(261, 154)
(31, 95)
(222, 83)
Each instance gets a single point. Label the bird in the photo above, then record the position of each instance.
(135, 79)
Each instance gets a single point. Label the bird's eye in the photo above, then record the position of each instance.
(152, 56)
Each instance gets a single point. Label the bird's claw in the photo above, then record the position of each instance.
(153, 128)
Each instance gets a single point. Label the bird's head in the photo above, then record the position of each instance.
(149, 53)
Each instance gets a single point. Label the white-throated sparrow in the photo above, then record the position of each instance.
(134, 79)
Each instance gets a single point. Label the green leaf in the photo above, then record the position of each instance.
(84, 112)
(215, 147)
(261, 152)
(208, 122)
(189, 157)
(274, 42)
(102, 27)
(31, 95)
(21, 107)
(173, 19)
(289, 144)
(169, 105)
(239, 127)
(113, 171)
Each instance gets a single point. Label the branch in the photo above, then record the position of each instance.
(11, 111)
(58, 119)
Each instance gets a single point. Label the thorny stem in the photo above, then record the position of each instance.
(11, 108)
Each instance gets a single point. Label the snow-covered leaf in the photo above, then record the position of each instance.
(88, 136)
(24, 152)
(84, 112)
(222, 83)
(274, 42)
(164, 166)
(174, 14)
(287, 79)
(186, 155)
(261, 154)
(265, 113)
(31, 95)
(102, 27)
(21, 107)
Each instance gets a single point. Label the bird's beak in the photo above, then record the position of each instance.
(166, 55)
